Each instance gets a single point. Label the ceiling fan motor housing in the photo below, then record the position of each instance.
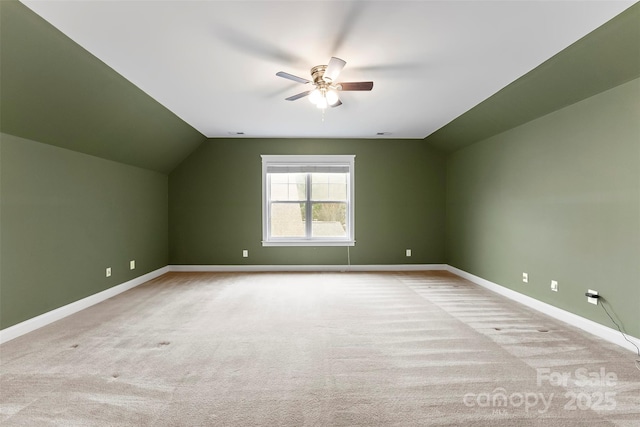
(317, 73)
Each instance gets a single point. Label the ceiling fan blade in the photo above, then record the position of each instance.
(333, 69)
(242, 40)
(347, 24)
(298, 96)
(337, 104)
(292, 77)
(355, 86)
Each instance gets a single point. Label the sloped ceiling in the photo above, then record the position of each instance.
(144, 82)
(53, 91)
(605, 58)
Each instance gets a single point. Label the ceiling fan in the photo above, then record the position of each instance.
(326, 88)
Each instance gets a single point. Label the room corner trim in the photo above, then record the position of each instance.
(601, 331)
(44, 319)
(293, 268)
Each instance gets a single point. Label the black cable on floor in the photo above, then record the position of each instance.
(623, 334)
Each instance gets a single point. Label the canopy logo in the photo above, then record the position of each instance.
(586, 390)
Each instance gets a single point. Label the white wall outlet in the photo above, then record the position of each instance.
(592, 300)
(554, 286)
(245, 253)
(408, 252)
(525, 277)
(132, 264)
(108, 272)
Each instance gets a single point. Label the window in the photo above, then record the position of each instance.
(307, 200)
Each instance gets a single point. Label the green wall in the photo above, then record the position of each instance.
(215, 203)
(65, 217)
(558, 198)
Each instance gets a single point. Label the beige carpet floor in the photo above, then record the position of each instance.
(321, 349)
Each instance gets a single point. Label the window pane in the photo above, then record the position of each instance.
(329, 220)
(288, 186)
(308, 200)
(329, 186)
(287, 220)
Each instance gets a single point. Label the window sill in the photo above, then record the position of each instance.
(309, 243)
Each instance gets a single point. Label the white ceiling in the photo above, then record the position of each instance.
(213, 63)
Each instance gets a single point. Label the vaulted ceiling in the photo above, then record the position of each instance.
(144, 82)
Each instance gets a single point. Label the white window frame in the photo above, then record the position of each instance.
(308, 161)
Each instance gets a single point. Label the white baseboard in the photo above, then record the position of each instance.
(44, 319)
(590, 326)
(604, 332)
(293, 268)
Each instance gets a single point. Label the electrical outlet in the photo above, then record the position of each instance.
(592, 300)
(245, 253)
(108, 272)
(408, 252)
(132, 264)
(525, 277)
(554, 286)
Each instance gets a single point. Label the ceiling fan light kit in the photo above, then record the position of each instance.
(324, 97)
(325, 93)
